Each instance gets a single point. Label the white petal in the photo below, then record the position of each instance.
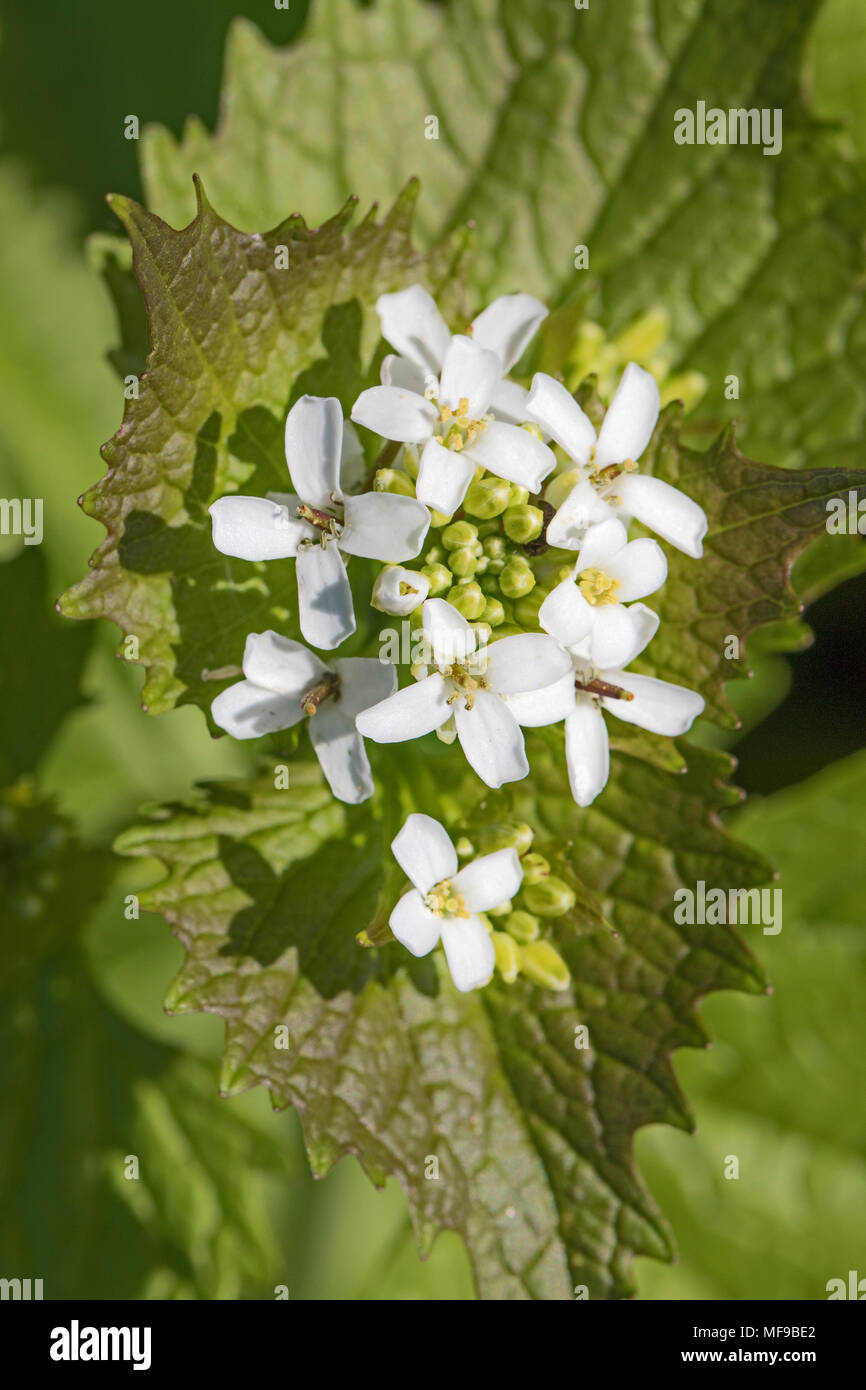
(314, 441)
(491, 739)
(552, 406)
(469, 951)
(644, 625)
(447, 632)
(353, 465)
(630, 419)
(280, 664)
(509, 402)
(413, 325)
(414, 925)
(469, 372)
(490, 880)
(641, 568)
(410, 713)
(512, 453)
(400, 371)
(535, 708)
(255, 528)
(340, 751)
(526, 661)
(443, 477)
(665, 510)
(587, 751)
(395, 413)
(658, 706)
(614, 635)
(565, 614)
(364, 681)
(247, 711)
(602, 541)
(424, 851)
(581, 509)
(384, 526)
(327, 615)
(399, 591)
(507, 325)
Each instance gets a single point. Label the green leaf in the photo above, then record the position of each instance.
(83, 1092)
(385, 1060)
(235, 340)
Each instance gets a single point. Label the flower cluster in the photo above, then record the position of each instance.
(526, 600)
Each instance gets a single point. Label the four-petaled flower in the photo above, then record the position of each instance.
(318, 524)
(656, 705)
(285, 682)
(444, 903)
(610, 485)
(448, 394)
(483, 694)
(609, 573)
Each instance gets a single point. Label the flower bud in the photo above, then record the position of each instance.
(464, 848)
(468, 600)
(481, 564)
(518, 496)
(517, 579)
(543, 965)
(435, 555)
(440, 579)
(399, 591)
(494, 547)
(458, 534)
(487, 498)
(438, 519)
(535, 868)
(505, 835)
(559, 487)
(494, 613)
(488, 528)
(526, 608)
(392, 480)
(463, 562)
(522, 925)
(507, 958)
(523, 524)
(501, 909)
(551, 897)
(411, 460)
(484, 631)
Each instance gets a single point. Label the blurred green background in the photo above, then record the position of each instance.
(782, 1084)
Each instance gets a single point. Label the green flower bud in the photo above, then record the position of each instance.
(559, 487)
(523, 524)
(522, 925)
(458, 534)
(518, 496)
(494, 547)
(549, 898)
(489, 584)
(526, 608)
(463, 562)
(488, 528)
(494, 613)
(412, 460)
(485, 632)
(464, 848)
(505, 835)
(435, 555)
(487, 498)
(481, 564)
(501, 910)
(517, 579)
(392, 480)
(507, 957)
(438, 519)
(468, 600)
(535, 868)
(543, 965)
(440, 578)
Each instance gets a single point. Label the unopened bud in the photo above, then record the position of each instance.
(535, 868)
(494, 547)
(468, 600)
(523, 524)
(487, 498)
(507, 957)
(517, 579)
(464, 848)
(518, 496)
(505, 835)
(458, 534)
(463, 562)
(526, 608)
(501, 909)
(551, 897)
(392, 480)
(543, 965)
(440, 579)
(399, 591)
(522, 925)
(559, 487)
(435, 555)
(494, 613)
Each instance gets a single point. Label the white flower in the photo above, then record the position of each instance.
(656, 705)
(443, 904)
(610, 571)
(318, 524)
(399, 591)
(439, 390)
(487, 693)
(610, 486)
(286, 682)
